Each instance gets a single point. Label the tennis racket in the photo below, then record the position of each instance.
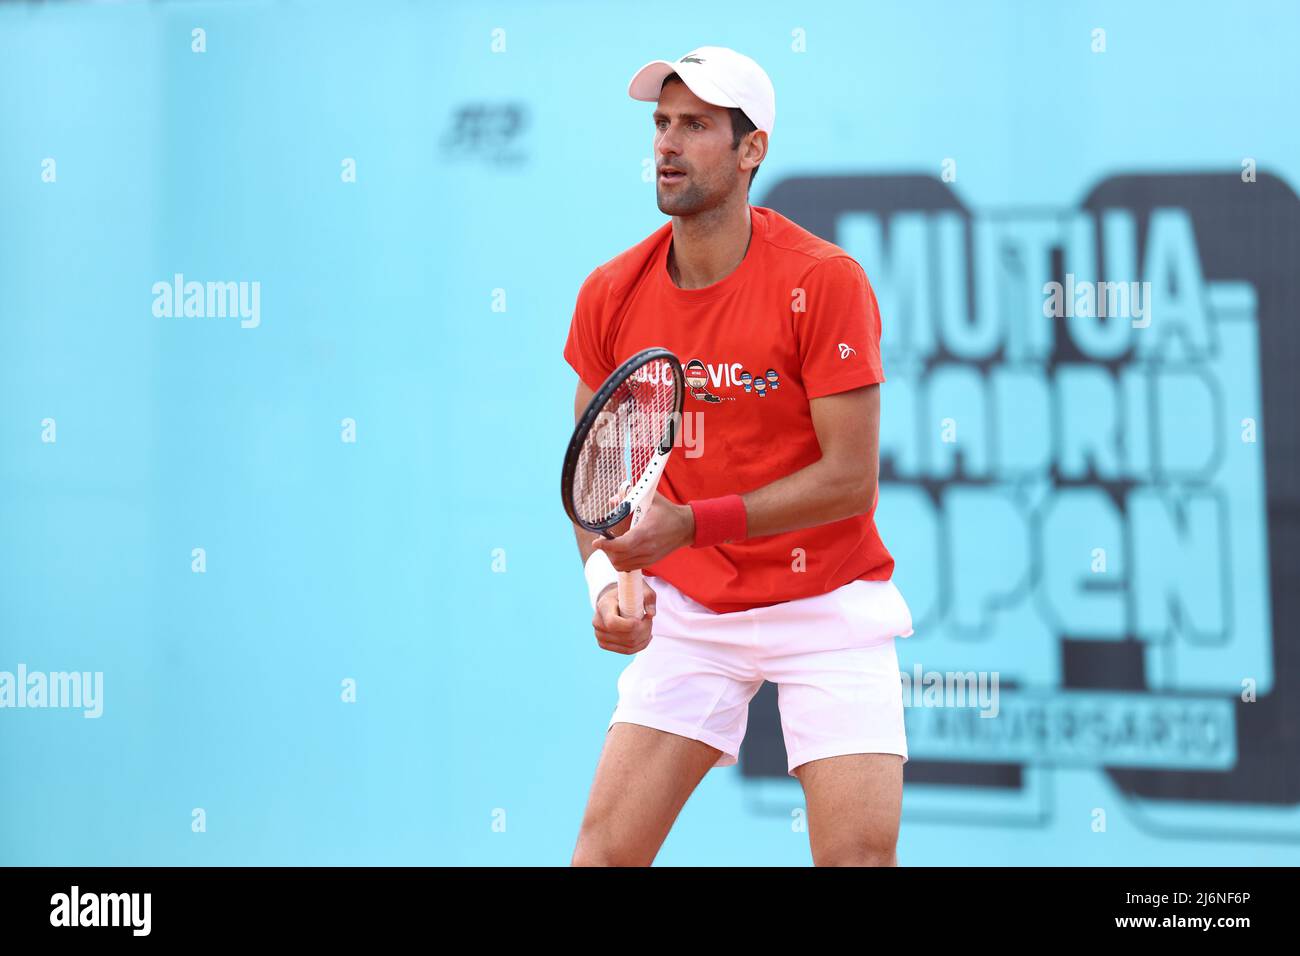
(618, 451)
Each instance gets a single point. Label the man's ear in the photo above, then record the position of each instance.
(755, 146)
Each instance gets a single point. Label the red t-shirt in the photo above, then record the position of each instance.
(754, 350)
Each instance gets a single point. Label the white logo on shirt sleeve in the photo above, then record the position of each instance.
(846, 351)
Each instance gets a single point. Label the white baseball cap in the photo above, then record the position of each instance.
(716, 75)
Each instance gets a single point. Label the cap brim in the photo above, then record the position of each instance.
(648, 80)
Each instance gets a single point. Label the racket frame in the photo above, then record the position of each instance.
(630, 585)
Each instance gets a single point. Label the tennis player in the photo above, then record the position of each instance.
(760, 551)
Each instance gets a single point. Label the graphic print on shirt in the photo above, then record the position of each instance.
(697, 381)
(699, 376)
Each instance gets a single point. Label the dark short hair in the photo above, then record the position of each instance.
(741, 125)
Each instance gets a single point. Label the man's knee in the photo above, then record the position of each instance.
(593, 851)
(880, 852)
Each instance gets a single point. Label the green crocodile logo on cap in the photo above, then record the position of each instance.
(690, 59)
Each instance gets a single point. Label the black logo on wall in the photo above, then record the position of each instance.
(487, 132)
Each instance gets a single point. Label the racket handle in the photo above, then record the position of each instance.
(630, 594)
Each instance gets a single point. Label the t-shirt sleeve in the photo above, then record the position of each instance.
(839, 329)
(587, 346)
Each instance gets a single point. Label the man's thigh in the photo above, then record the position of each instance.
(854, 805)
(643, 780)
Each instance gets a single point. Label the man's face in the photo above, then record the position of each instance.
(693, 138)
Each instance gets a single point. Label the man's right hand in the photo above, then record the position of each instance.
(622, 635)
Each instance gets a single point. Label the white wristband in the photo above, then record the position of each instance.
(600, 574)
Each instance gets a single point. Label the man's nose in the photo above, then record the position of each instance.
(667, 145)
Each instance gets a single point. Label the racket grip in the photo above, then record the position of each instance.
(630, 594)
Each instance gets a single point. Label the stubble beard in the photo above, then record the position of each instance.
(689, 200)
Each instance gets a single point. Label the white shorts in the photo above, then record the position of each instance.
(831, 656)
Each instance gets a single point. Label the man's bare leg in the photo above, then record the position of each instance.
(854, 806)
(642, 782)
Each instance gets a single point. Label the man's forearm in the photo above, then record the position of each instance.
(817, 494)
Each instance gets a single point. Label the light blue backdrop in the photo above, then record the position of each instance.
(481, 697)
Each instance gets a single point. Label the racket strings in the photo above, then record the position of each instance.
(624, 439)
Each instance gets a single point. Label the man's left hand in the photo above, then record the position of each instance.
(664, 528)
